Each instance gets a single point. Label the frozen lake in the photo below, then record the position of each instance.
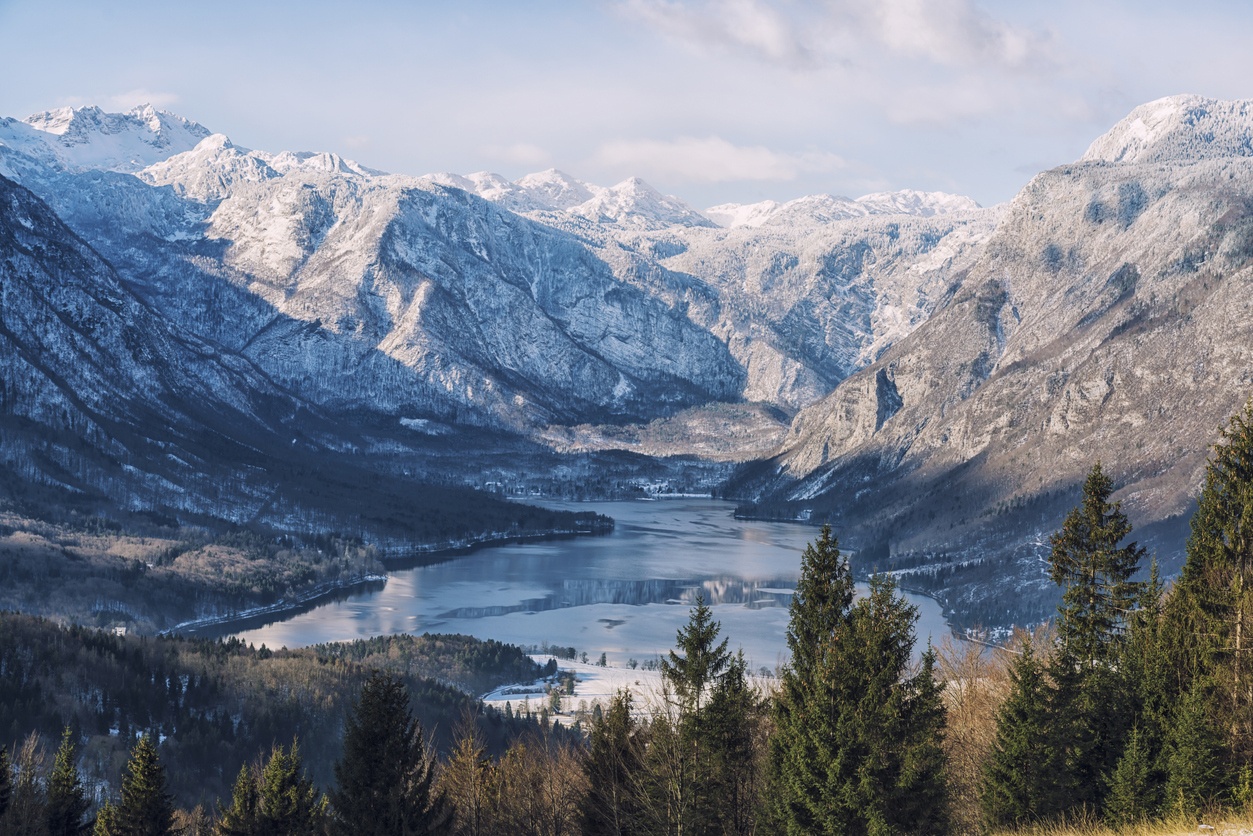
(624, 594)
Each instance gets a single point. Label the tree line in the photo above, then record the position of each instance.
(1136, 705)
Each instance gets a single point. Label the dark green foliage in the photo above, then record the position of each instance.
(67, 800)
(384, 781)
(1212, 609)
(242, 817)
(146, 808)
(733, 730)
(612, 806)
(856, 745)
(1131, 797)
(1095, 573)
(274, 800)
(1194, 769)
(475, 665)
(681, 784)
(1021, 777)
(221, 704)
(698, 662)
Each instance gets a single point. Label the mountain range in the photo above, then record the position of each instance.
(933, 377)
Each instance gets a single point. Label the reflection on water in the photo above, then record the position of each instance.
(624, 594)
(583, 593)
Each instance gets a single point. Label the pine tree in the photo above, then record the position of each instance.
(385, 777)
(819, 612)
(699, 662)
(1194, 769)
(67, 800)
(1131, 791)
(1020, 781)
(857, 742)
(146, 808)
(1213, 601)
(242, 817)
(1095, 573)
(613, 765)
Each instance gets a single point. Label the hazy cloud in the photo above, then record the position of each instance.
(950, 32)
(134, 98)
(810, 33)
(754, 26)
(712, 160)
(519, 153)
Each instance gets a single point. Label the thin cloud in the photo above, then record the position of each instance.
(519, 153)
(807, 34)
(753, 26)
(712, 160)
(134, 98)
(950, 32)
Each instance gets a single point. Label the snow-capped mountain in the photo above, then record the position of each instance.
(87, 138)
(1178, 129)
(816, 210)
(953, 370)
(1108, 318)
(481, 300)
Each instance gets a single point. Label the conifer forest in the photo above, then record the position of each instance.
(1133, 705)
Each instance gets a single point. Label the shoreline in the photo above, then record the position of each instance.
(220, 626)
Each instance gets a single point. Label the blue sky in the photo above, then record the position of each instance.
(711, 100)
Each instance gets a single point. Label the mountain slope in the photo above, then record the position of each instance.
(1108, 317)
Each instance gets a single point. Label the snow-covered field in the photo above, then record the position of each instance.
(593, 684)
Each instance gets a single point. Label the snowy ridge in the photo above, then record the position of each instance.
(1183, 128)
(83, 138)
(815, 210)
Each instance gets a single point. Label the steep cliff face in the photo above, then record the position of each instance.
(100, 395)
(434, 298)
(1107, 318)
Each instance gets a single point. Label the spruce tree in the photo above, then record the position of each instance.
(241, 818)
(1090, 702)
(1095, 573)
(683, 782)
(1212, 608)
(1131, 789)
(856, 747)
(289, 804)
(733, 719)
(146, 808)
(613, 764)
(385, 779)
(1195, 778)
(819, 612)
(1020, 780)
(699, 659)
(275, 800)
(67, 800)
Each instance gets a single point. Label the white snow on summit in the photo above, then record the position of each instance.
(1182, 128)
(821, 209)
(81, 138)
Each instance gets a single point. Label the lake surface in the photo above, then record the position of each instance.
(624, 594)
